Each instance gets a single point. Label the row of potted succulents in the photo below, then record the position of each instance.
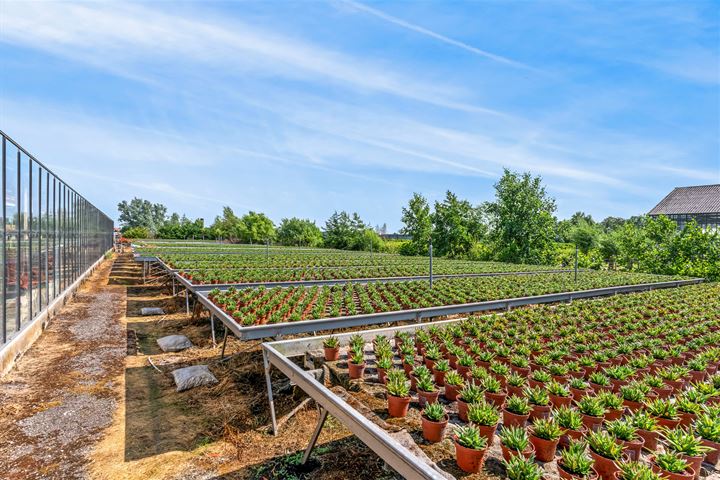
(289, 304)
(646, 378)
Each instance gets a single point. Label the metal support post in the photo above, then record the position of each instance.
(576, 262)
(431, 266)
(225, 335)
(316, 434)
(187, 302)
(268, 382)
(212, 329)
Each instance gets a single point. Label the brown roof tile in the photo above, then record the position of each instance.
(698, 199)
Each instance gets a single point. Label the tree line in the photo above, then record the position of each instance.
(518, 226)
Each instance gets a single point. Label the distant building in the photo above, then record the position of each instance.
(395, 236)
(683, 204)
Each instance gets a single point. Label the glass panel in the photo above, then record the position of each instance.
(23, 227)
(11, 221)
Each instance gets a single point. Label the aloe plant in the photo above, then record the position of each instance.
(491, 384)
(622, 429)
(575, 460)
(471, 393)
(708, 427)
(591, 406)
(425, 384)
(331, 342)
(546, 428)
(684, 441)
(434, 412)
(517, 405)
(568, 418)
(610, 401)
(398, 388)
(644, 421)
(541, 376)
(662, 408)
(537, 396)
(671, 462)
(469, 437)
(483, 413)
(514, 438)
(453, 378)
(604, 444)
(521, 468)
(558, 389)
(636, 471)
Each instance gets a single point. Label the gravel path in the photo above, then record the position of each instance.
(56, 402)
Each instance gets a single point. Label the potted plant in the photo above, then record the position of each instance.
(605, 452)
(331, 346)
(464, 363)
(574, 463)
(356, 365)
(384, 364)
(708, 427)
(398, 395)
(579, 388)
(421, 371)
(689, 446)
(545, 435)
(408, 364)
(559, 394)
(515, 384)
(600, 382)
(516, 411)
(520, 365)
(660, 388)
(664, 411)
(689, 405)
(432, 355)
(426, 390)
(514, 441)
(626, 435)
(539, 378)
(485, 417)
(671, 466)
(570, 421)
(636, 471)
(439, 370)
(434, 421)
(453, 384)
(471, 393)
(647, 428)
(539, 402)
(470, 448)
(633, 396)
(493, 391)
(521, 468)
(613, 405)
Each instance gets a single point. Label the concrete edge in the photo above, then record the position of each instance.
(15, 348)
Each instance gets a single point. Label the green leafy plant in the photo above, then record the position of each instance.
(398, 388)
(579, 383)
(514, 438)
(541, 376)
(434, 412)
(385, 363)
(537, 396)
(331, 342)
(659, 407)
(469, 437)
(453, 378)
(708, 427)
(395, 375)
(442, 365)
(517, 405)
(622, 429)
(483, 413)
(492, 385)
(516, 380)
(358, 356)
(521, 468)
(422, 371)
(604, 444)
(575, 460)
(568, 418)
(599, 378)
(471, 393)
(558, 389)
(636, 471)
(357, 341)
(425, 384)
(671, 462)
(610, 401)
(546, 428)
(644, 421)
(681, 440)
(592, 406)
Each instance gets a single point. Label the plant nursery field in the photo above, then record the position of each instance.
(626, 384)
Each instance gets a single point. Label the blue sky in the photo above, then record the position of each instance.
(303, 108)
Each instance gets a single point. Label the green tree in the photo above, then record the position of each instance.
(610, 224)
(522, 219)
(299, 232)
(349, 232)
(418, 224)
(142, 213)
(584, 235)
(457, 225)
(226, 226)
(255, 228)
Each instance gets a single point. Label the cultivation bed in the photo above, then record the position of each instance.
(391, 302)
(645, 336)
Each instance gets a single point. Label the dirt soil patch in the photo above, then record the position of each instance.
(94, 398)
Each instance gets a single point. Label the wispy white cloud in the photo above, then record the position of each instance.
(437, 36)
(120, 39)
